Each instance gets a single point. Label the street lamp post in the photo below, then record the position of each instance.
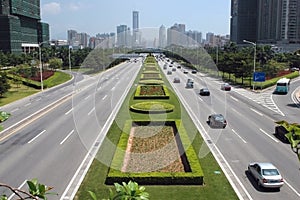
(70, 47)
(41, 69)
(254, 59)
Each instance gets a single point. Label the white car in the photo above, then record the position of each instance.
(266, 175)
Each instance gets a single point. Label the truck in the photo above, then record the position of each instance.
(190, 83)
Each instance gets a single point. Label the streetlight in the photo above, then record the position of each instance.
(254, 59)
(41, 70)
(70, 47)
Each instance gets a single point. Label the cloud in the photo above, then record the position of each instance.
(52, 8)
(75, 6)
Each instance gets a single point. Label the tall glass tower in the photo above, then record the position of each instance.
(20, 25)
(135, 28)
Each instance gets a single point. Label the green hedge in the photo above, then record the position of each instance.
(151, 82)
(193, 177)
(157, 77)
(151, 107)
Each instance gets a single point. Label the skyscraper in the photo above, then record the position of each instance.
(122, 36)
(20, 25)
(243, 24)
(136, 37)
(162, 37)
(272, 21)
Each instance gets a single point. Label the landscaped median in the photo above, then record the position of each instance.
(155, 153)
(153, 142)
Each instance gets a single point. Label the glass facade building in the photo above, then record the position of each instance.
(20, 25)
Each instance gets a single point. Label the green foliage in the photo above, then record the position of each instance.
(4, 85)
(55, 63)
(38, 190)
(294, 132)
(4, 116)
(152, 107)
(130, 191)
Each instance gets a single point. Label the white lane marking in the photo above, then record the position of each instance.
(234, 98)
(11, 196)
(14, 110)
(200, 99)
(69, 111)
(38, 99)
(37, 136)
(67, 137)
(239, 136)
(236, 111)
(87, 97)
(27, 104)
(256, 112)
(113, 88)
(91, 111)
(104, 97)
(294, 190)
(268, 135)
(294, 98)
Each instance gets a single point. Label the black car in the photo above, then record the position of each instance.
(217, 120)
(194, 71)
(204, 92)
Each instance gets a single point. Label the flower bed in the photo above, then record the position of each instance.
(152, 92)
(163, 144)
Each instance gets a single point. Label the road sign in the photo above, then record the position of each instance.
(259, 76)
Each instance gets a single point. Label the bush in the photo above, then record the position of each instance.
(152, 107)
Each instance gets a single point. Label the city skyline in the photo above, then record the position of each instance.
(204, 16)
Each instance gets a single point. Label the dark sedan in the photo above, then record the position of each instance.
(217, 120)
(204, 92)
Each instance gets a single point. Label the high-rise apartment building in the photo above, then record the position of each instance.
(243, 24)
(122, 36)
(20, 26)
(272, 21)
(176, 35)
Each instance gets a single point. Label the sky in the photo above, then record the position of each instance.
(103, 16)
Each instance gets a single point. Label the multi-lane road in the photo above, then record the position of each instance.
(249, 135)
(52, 135)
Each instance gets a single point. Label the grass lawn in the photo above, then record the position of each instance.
(215, 186)
(16, 92)
(20, 91)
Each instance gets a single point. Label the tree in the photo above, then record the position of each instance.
(55, 63)
(4, 85)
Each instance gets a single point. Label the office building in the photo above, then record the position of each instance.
(136, 34)
(162, 37)
(176, 35)
(123, 36)
(21, 28)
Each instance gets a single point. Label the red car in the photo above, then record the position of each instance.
(226, 87)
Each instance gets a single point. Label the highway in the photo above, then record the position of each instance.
(248, 137)
(53, 143)
(66, 122)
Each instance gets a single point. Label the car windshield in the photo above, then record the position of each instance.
(270, 172)
(219, 118)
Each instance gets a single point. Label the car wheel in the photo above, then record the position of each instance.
(258, 184)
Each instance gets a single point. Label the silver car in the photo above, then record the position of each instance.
(266, 175)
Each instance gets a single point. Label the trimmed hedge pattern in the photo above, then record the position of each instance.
(139, 96)
(152, 107)
(194, 176)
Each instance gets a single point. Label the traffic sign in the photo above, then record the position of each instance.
(259, 76)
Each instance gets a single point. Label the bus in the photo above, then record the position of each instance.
(282, 86)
